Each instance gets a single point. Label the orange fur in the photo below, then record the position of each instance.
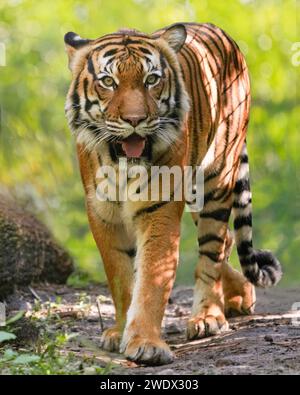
(204, 87)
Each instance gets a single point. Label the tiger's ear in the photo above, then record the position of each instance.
(175, 36)
(74, 42)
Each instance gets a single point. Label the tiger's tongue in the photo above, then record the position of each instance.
(133, 146)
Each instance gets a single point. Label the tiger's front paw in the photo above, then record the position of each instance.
(110, 339)
(146, 351)
(206, 324)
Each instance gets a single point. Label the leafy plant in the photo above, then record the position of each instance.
(45, 357)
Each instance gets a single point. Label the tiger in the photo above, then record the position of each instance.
(177, 97)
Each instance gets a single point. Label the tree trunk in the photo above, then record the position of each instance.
(28, 251)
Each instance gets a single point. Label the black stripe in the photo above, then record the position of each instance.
(244, 158)
(209, 276)
(242, 185)
(88, 103)
(99, 159)
(233, 55)
(202, 279)
(207, 95)
(233, 111)
(129, 41)
(214, 173)
(109, 43)
(214, 256)
(91, 68)
(224, 55)
(225, 89)
(93, 128)
(177, 95)
(198, 72)
(241, 205)
(131, 252)
(145, 50)
(251, 274)
(245, 248)
(226, 140)
(151, 209)
(208, 238)
(76, 103)
(222, 214)
(206, 44)
(175, 111)
(211, 132)
(208, 196)
(208, 27)
(112, 153)
(212, 195)
(193, 87)
(111, 52)
(241, 221)
(123, 43)
(234, 50)
(246, 261)
(226, 195)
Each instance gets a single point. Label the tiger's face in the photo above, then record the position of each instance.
(127, 95)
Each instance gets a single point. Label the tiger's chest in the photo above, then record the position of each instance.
(115, 206)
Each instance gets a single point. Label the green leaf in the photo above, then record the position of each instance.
(15, 317)
(4, 336)
(26, 359)
(9, 354)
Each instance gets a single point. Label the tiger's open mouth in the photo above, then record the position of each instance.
(132, 147)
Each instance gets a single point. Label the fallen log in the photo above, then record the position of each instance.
(28, 251)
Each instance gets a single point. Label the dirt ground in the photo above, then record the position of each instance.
(265, 343)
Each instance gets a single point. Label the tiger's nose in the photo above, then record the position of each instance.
(134, 120)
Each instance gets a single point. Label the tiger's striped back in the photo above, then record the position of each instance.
(216, 78)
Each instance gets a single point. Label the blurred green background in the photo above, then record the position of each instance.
(37, 156)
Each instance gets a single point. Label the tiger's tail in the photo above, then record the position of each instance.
(260, 267)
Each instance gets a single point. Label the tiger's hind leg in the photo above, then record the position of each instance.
(239, 293)
(208, 313)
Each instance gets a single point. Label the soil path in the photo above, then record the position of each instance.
(265, 343)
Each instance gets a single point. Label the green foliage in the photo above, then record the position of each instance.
(15, 318)
(46, 355)
(37, 151)
(48, 361)
(5, 336)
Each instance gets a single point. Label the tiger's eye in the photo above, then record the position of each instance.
(108, 81)
(152, 79)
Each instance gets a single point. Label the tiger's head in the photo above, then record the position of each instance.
(127, 94)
